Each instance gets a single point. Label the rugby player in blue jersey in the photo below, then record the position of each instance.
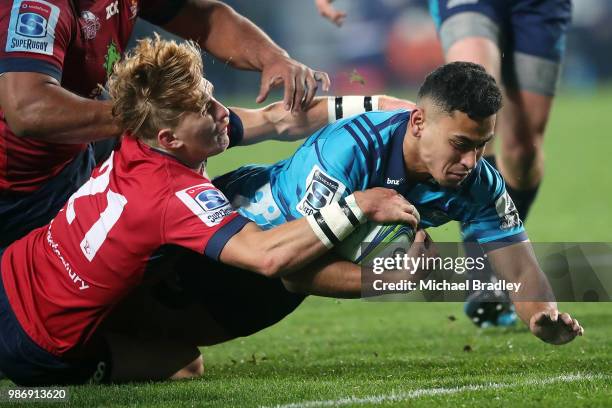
(521, 43)
(432, 155)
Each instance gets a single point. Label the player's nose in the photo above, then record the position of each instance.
(221, 113)
(469, 159)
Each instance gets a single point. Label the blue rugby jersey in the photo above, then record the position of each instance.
(361, 152)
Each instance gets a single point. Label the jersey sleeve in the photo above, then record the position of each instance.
(235, 129)
(493, 220)
(160, 12)
(34, 36)
(339, 159)
(200, 218)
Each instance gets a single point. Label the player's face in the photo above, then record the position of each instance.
(451, 145)
(204, 133)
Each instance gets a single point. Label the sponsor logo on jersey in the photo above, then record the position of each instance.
(208, 203)
(32, 27)
(394, 182)
(507, 212)
(321, 190)
(112, 9)
(111, 58)
(90, 25)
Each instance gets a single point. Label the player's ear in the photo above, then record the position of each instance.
(168, 140)
(417, 120)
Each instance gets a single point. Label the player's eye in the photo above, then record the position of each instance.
(460, 146)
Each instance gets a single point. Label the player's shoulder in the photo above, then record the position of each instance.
(485, 184)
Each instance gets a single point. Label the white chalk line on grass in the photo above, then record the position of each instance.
(427, 392)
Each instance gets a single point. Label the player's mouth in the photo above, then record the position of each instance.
(458, 176)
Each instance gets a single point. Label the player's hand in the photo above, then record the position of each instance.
(554, 327)
(330, 12)
(300, 82)
(389, 103)
(384, 206)
(422, 246)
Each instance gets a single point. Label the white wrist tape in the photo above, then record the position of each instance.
(339, 107)
(335, 222)
(352, 204)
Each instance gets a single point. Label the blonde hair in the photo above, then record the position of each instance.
(155, 84)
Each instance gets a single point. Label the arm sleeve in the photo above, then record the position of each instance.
(236, 129)
(201, 219)
(35, 34)
(160, 12)
(494, 222)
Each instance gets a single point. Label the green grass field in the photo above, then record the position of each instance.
(357, 353)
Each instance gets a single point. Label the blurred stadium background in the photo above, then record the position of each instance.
(392, 44)
(356, 353)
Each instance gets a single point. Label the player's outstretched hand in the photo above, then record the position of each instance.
(300, 82)
(384, 206)
(330, 12)
(554, 327)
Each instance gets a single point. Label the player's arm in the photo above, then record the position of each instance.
(36, 106)
(517, 263)
(236, 40)
(332, 276)
(289, 247)
(273, 122)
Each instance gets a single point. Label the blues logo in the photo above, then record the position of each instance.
(32, 27)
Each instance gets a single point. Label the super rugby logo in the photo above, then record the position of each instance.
(321, 190)
(32, 27)
(32, 20)
(205, 201)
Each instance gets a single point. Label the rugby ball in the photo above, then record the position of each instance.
(372, 240)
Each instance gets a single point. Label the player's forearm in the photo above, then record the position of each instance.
(517, 263)
(328, 276)
(225, 34)
(47, 112)
(274, 122)
(275, 252)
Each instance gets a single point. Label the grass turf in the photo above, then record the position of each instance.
(419, 354)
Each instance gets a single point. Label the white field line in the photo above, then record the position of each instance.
(426, 392)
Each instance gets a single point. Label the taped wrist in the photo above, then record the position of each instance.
(339, 107)
(335, 222)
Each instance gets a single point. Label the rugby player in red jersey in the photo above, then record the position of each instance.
(54, 57)
(61, 280)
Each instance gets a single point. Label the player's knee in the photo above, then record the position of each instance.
(192, 370)
(523, 151)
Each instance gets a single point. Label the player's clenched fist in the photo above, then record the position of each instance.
(554, 327)
(384, 205)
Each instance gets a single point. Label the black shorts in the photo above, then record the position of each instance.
(240, 301)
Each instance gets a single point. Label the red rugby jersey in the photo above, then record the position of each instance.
(63, 279)
(75, 41)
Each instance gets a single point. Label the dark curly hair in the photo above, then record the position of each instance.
(464, 87)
